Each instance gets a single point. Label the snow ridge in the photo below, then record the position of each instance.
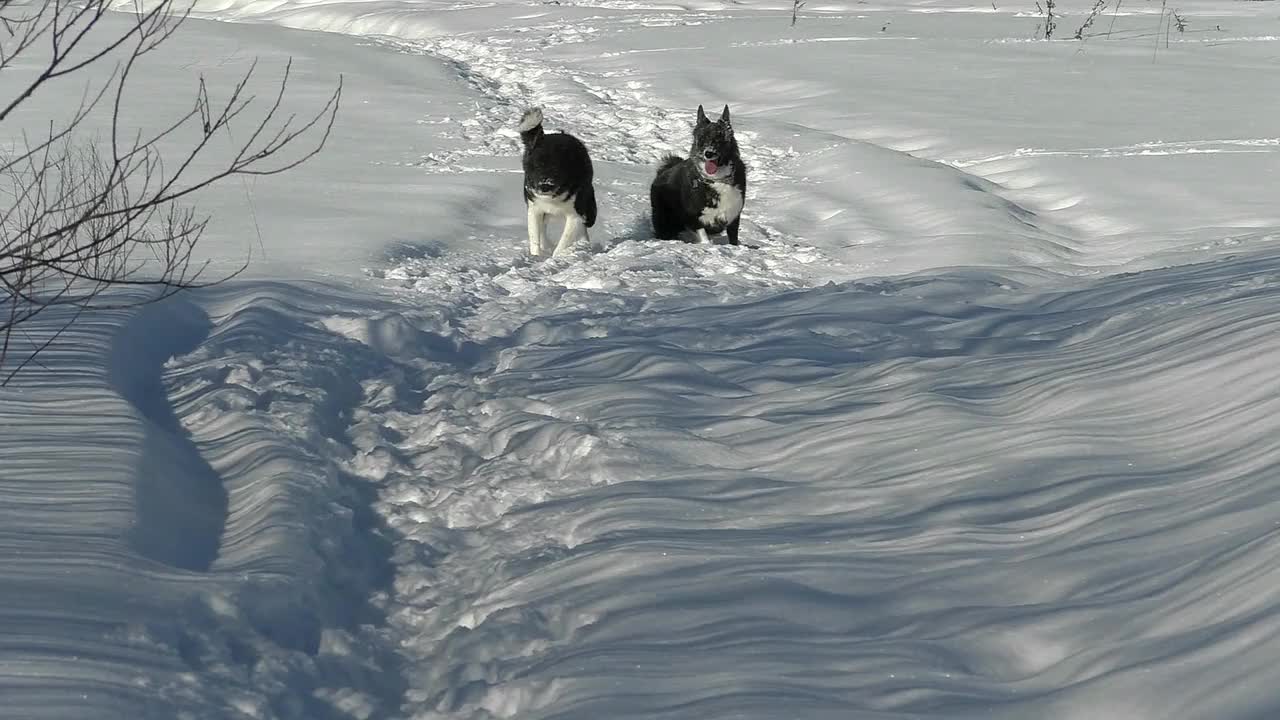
(740, 462)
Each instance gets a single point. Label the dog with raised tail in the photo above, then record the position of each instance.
(694, 198)
(557, 181)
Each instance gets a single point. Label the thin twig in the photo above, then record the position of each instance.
(80, 218)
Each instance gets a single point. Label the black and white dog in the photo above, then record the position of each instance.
(557, 181)
(703, 195)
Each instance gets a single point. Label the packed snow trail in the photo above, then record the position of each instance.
(672, 482)
(938, 496)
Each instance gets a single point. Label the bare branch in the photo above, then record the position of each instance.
(81, 217)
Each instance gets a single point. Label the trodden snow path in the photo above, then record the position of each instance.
(629, 128)
(939, 497)
(926, 452)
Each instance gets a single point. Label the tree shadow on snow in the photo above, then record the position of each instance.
(180, 501)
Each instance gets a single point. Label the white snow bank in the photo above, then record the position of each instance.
(175, 544)
(928, 451)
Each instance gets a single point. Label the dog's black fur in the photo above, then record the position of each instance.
(557, 164)
(684, 199)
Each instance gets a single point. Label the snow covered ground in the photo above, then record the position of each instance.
(984, 427)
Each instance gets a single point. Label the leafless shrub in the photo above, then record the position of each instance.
(1050, 19)
(78, 215)
(1098, 7)
(1179, 21)
(1164, 4)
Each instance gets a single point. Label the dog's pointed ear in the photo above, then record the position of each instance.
(724, 116)
(702, 116)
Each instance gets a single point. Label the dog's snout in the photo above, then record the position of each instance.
(546, 186)
(709, 154)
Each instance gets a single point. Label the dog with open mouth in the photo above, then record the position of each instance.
(557, 181)
(695, 198)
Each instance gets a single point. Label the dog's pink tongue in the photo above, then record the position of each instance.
(712, 167)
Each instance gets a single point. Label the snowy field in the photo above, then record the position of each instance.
(983, 425)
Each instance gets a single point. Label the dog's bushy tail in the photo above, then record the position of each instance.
(668, 162)
(531, 127)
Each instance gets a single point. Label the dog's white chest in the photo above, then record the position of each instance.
(728, 205)
(561, 205)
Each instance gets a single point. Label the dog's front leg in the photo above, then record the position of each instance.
(573, 227)
(537, 231)
(702, 237)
